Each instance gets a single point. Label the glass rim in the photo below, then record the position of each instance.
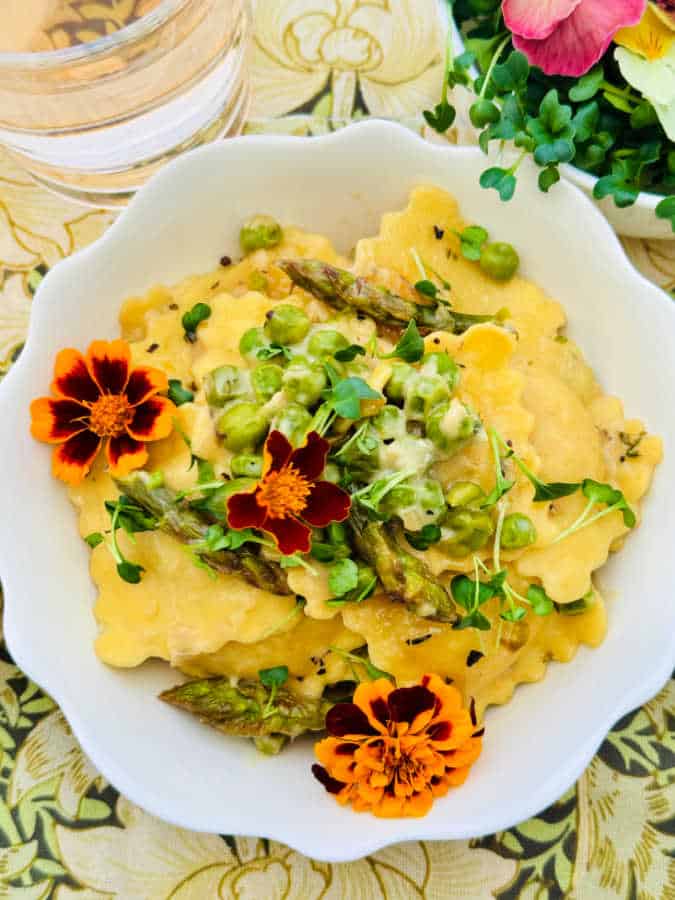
(53, 59)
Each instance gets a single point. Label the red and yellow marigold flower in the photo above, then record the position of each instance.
(392, 751)
(289, 497)
(100, 398)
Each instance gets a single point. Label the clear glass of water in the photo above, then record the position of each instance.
(96, 96)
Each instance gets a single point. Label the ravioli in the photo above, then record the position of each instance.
(525, 379)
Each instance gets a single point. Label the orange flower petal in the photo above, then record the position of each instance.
(109, 363)
(72, 379)
(152, 419)
(124, 454)
(371, 698)
(54, 421)
(145, 381)
(72, 460)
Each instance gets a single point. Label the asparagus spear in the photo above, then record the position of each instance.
(189, 526)
(404, 577)
(342, 289)
(250, 709)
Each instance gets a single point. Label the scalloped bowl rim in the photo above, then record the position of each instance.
(330, 833)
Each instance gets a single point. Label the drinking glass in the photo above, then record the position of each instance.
(96, 95)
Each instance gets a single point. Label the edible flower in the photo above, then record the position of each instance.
(567, 37)
(100, 398)
(392, 751)
(646, 58)
(289, 497)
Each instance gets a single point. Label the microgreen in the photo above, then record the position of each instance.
(471, 240)
(363, 439)
(346, 394)
(374, 493)
(456, 72)
(178, 393)
(599, 494)
(347, 354)
(193, 318)
(343, 576)
(424, 538)
(371, 670)
(426, 288)
(539, 600)
(271, 351)
(471, 595)
(131, 518)
(410, 346)
(273, 679)
(597, 121)
(295, 561)
(502, 484)
(543, 491)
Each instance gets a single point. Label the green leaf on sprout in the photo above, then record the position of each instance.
(410, 346)
(511, 75)
(621, 184)
(129, 572)
(424, 538)
(470, 594)
(441, 117)
(665, 209)
(346, 395)
(585, 121)
(272, 350)
(178, 393)
(588, 85)
(347, 354)
(483, 48)
(502, 180)
(343, 577)
(547, 178)
(274, 677)
(612, 497)
(513, 614)
(539, 600)
(471, 240)
(553, 131)
(426, 288)
(131, 517)
(94, 539)
(474, 619)
(193, 318)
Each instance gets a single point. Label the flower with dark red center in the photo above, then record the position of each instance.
(392, 751)
(289, 498)
(99, 397)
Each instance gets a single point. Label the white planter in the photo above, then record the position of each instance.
(638, 221)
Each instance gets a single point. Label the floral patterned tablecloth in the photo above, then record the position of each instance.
(64, 831)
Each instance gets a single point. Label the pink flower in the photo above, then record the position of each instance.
(567, 37)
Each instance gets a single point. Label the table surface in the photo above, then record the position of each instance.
(64, 831)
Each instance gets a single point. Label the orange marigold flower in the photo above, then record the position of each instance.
(99, 397)
(289, 498)
(394, 750)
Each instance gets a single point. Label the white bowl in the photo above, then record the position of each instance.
(183, 220)
(639, 220)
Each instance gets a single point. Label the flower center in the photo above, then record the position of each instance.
(284, 493)
(109, 415)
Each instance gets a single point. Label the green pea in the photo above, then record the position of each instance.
(400, 375)
(390, 423)
(225, 383)
(287, 324)
(293, 421)
(260, 233)
(451, 425)
(266, 380)
(400, 498)
(242, 426)
(215, 503)
(465, 493)
(430, 499)
(499, 260)
(422, 394)
(304, 381)
(441, 364)
(464, 531)
(517, 531)
(247, 464)
(251, 341)
(326, 342)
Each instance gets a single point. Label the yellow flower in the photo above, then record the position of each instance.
(652, 37)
